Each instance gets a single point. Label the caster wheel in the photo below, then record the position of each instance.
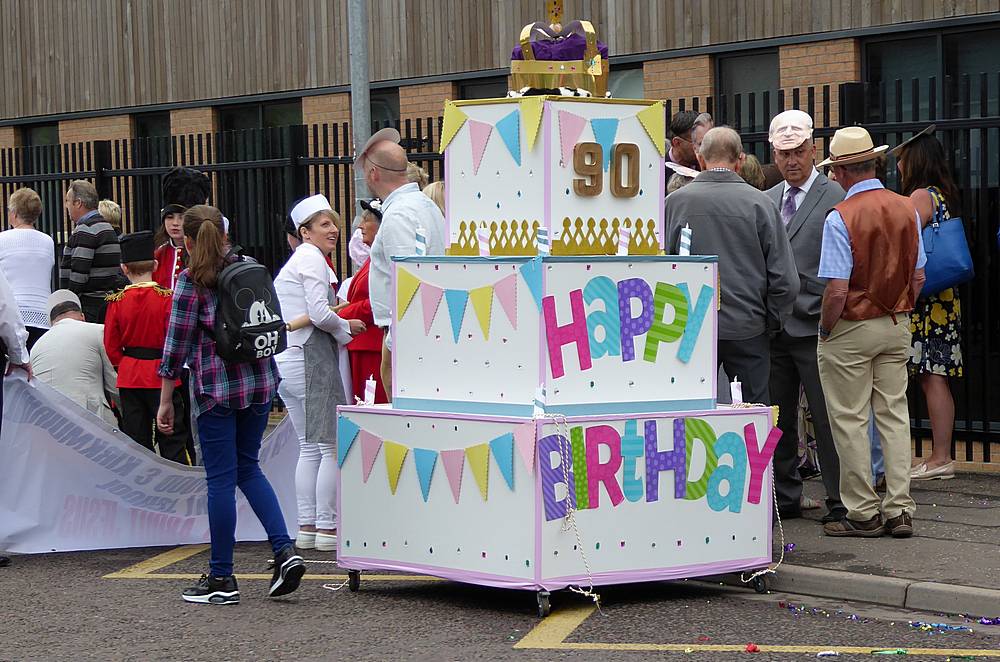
(353, 580)
(544, 606)
(761, 584)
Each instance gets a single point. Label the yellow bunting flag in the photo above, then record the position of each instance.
(479, 462)
(406, 287)
(482, 303)
(394, 456)
(454, 118)
(531, 117)
(652, 120)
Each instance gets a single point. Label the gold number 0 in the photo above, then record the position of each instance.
(587, 160)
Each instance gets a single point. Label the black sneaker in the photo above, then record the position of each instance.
(4, 561)
(288, 570)
(213, 591)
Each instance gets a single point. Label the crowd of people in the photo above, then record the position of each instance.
(820, 293)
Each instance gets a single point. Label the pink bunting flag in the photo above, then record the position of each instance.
(430, 298)
(506, 291)
(370, 444)
(570, 128)
(479, 133)
(453, 462)
(524, 439)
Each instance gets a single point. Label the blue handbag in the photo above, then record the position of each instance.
(949, 262)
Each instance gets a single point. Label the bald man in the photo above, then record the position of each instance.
(404, 209)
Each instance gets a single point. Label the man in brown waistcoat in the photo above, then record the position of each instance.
(873, 255)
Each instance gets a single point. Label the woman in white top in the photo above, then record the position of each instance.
(28, 258)
(310, 386)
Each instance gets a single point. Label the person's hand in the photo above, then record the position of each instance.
(20, 366)
(339, 307)
(357, 327)
(165, 418)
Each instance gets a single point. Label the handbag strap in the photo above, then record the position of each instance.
(939, 206)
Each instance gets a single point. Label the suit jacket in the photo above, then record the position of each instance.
(359, 307)
(741, 225)
(805, 234)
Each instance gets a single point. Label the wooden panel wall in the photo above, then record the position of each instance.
(61, 56)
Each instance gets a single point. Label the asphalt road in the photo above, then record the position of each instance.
(100, 606)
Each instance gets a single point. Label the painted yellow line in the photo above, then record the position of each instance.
(168, 558)
(552, 632)
(255, 576)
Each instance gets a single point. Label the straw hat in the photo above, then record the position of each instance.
(852, 144)
(901, 146)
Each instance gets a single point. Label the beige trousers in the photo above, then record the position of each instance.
(862, 366)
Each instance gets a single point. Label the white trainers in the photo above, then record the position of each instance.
(306, 540)
(326, 542)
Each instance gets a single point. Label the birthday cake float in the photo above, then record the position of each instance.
(554, 419)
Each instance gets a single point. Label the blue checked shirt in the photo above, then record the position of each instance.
(836, 259)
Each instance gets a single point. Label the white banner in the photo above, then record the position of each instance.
(70, 482)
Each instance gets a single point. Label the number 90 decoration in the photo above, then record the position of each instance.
(587, 160)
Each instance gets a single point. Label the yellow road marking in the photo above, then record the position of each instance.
(552, 632)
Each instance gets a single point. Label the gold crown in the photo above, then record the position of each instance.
(593, 237)
(507, 238)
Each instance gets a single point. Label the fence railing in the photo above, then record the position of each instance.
(258, 173)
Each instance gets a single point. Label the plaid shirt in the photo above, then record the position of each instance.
(232, 385)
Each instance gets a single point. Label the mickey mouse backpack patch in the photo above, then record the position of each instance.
(248, 324)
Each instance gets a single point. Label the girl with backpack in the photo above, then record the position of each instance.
(232, 401)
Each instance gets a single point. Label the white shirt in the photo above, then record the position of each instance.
(12, 330)
(28, 257)
(803, 191)
(303, 287)
(403, 211)
(70, 358)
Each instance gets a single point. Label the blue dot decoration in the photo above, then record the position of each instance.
(498, 205)
(640, 191)
(479, 195)
(567, 191)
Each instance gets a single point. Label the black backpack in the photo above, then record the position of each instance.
(248, 324)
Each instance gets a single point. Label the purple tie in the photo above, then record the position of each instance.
(788, 209)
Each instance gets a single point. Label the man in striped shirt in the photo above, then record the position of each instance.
(91, 257)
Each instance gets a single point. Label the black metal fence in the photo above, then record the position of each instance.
(258, 173)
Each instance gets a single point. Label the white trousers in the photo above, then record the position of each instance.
(316, 471)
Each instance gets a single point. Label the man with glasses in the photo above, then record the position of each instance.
(404, 209)
(681, 149)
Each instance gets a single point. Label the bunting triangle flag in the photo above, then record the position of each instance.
(453, 461)
(394, 456)
(482, 304)
(524, 439)
(369, 451)
(653, 121)
(509, 128)
(506, 291)
(479, 134)
(457, 300)
(347, 430)
(531, 271)
(406, 287)
(605, 130)
(454, 119)
(479, 462)
(503, 453)
(424, 460)
(430, 298)
(531, 117)
(570, 127)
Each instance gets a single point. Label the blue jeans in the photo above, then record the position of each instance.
(878, 463)
(230, 444)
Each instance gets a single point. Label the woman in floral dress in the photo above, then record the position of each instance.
(936, 322)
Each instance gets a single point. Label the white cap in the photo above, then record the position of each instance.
(225, 225)
(314, 203)
(62, 296)
(790, 129)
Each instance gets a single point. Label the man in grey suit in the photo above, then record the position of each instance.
(735, 221)
(803, 198)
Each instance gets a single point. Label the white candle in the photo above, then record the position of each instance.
(370, 390)
(624, 236)
(685, 245)
(736, 390)
(421, 241)
(483, 234)
(542, 241)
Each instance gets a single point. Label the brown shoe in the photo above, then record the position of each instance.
(847, 527)
(899, 527)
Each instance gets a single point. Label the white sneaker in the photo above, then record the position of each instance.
(306, 540)
(326, 542)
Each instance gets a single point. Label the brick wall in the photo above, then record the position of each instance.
(192, 120)
(112, 127)
(326, 108)
(9, 137)
(423, 101)
(681, 77)
(817, 64)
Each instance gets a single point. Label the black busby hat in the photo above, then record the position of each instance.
(137, 247)
(183, 188)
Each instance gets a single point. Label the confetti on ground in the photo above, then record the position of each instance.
(789, 547)
(890, 651)
(752, 648)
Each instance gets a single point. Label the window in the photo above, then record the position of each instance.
(737, 78)
(151, 125)
(384, 107)
(260, 115)
(39, 134)
(495, 87)
(903, 60)
(626, 83)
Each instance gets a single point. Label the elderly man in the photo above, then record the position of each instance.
(71, 357)
(735, 221)
(873, 255)
(13, 349)
(91, 257)
(681, 146)
(803, 198)
(702, 124)
(404, 209)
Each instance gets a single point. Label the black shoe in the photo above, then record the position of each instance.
(288, 570)
(900, 526)
(213, 591)
(834, 515)
(4, 561)
(790, 513)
